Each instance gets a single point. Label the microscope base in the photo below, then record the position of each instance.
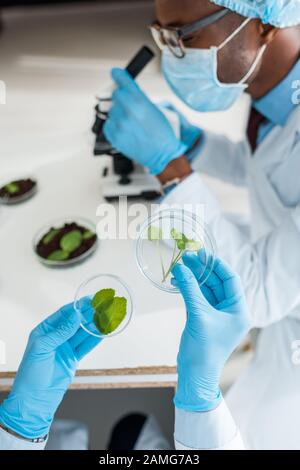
(141, 186)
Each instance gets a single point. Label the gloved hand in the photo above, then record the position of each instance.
(46, 371)
(189, 134)
(138, 129)
(217, 320)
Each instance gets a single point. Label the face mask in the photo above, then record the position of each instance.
(194, 78)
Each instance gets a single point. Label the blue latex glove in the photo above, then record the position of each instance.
(138, 129)
(189, 134)
(46, 371)
(217, 320)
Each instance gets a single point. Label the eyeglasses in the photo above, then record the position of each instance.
(173, 37)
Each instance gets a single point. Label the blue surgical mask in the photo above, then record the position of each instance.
(194, 78)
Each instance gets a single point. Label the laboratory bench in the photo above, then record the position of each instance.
(54, 62)
(145, 353)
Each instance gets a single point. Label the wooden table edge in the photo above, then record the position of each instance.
(134, 372)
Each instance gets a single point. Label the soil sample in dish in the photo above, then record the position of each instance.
(18, 191)
(61, 244)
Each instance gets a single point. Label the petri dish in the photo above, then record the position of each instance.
(159, 245)
(29, 192)
(57, 224)
(88, 306)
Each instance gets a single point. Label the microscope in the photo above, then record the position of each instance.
(122, 177)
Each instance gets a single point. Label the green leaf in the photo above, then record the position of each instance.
(58, 255)
(50, 236)
(180, 238)
(103, 296)
(88, 234)
(154, 234)
(71, 241)
(176, 235)
(111, 314)
(12, 188)
(193, 245)
(110, 311)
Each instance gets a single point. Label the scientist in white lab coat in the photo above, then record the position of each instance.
(217, 320)
(213, 51)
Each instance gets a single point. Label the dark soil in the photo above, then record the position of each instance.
(45, 250)
(25, 186)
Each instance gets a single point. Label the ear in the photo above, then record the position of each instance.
(268, 32)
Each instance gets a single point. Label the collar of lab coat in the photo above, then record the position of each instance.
(277, 105)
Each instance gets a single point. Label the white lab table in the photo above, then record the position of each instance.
(54, 64)
(30, 290)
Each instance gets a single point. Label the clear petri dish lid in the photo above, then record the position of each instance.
(104, 303)
(164, 238)
(17, 188)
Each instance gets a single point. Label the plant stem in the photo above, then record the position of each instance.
(165, 275)
(174, 253)
(160, 257)
(173, 263)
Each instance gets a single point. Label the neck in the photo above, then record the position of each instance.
(280, 57)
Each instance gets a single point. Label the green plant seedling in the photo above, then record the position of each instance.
(50, 236)
(102, 296)
(12, 188)
(110, 310)
(58, 255)
(179, 238)
(71, 241)
(181, 244)
(88, 234)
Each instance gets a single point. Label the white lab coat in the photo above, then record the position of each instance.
(11, 442)
(265, 399)
(211, 430)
